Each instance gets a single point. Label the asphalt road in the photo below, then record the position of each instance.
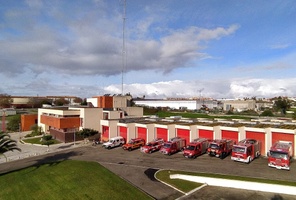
(138, 168)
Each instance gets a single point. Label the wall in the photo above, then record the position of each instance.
(91, 117)
(28, 120)
(134, 111)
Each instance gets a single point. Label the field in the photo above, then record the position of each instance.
(67, 180)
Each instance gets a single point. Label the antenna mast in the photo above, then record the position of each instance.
(123, 45)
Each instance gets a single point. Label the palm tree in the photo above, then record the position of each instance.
(7, 144)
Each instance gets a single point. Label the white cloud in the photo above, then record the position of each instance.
(215, 89)
(280, 46)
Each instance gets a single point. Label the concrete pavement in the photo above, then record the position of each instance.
(30, 150)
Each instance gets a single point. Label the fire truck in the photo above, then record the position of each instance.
(152, 146)
(173, 146)
(280, 155)
(220, 148)
(246, 150)
(196, 147)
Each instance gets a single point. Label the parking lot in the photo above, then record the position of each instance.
(138, 168)
(133, 165)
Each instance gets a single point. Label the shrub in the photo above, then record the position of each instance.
(267, 113)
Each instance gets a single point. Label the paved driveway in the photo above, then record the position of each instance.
(138, 169)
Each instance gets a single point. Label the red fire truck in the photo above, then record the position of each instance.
(280, 155)
(152, 146)
(220, 148)
(246, 150)
(173, 146)
(196, 147)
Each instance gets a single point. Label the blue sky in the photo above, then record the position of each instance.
(188, 48)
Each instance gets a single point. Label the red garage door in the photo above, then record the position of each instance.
(183, 133)
(230, 135)
(206, 134)
(142, 133)
(275, 136)
(123, 132)
(260, 136)
(105, 133)
(162, 133)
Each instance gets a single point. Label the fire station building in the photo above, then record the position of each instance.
(129, 122)
(148, 128)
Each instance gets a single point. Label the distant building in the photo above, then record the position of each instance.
(239, 105)
(7, 111)
(28, 101)
(188, 104)
(63, 122)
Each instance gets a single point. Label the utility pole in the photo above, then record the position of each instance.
(123, 45)
(74, 135)
(3, 121)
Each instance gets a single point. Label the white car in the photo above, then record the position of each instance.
(114, 142)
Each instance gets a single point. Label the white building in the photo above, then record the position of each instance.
(189, 104)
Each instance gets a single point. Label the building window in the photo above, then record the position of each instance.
(105, 115)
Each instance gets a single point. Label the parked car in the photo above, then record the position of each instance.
(114, 142)
(134, 144)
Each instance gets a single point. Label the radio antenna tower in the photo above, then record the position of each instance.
(123, 45)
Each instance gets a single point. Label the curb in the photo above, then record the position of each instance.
(247, 185)
(167, 183)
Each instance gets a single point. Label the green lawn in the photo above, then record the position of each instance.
(67, 180)
(199, 115)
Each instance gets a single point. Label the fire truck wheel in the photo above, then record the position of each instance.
(130, 149)
(249, 159)
(150, 152)
(169, 154)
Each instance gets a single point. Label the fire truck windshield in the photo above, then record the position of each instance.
(276, 154)
(190, 147)
(214, 146)
(238, 149)
(167, 145)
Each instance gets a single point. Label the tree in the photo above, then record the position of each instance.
(84, 102)
(47, 140)
(35, 130)
(294, 115)
(5, 100)
(86, 132)
(60, 102)
(14, 123)
(36, 102)
(77, 100)
(267, 113)
(282, 104)
(7, 144)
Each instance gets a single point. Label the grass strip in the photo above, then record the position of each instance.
(186, 186)
(68, 179)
